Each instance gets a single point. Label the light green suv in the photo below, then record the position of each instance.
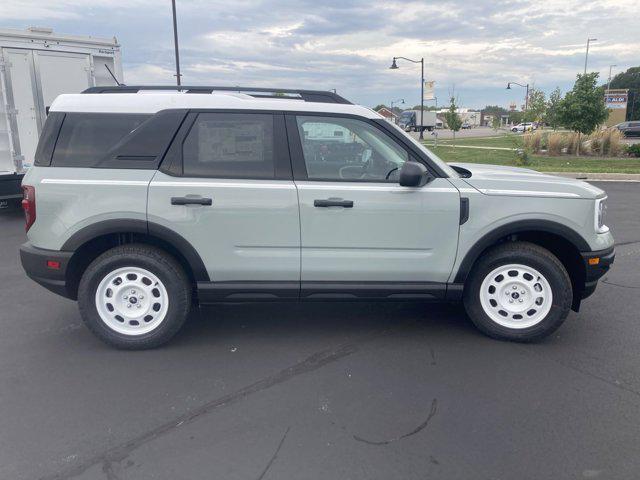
(146, 201)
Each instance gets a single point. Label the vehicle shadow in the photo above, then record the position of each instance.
(322, 319)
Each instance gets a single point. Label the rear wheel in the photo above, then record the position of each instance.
(518, 291)
(134, 297)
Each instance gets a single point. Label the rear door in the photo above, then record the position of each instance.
(226, 187)
(359, 227)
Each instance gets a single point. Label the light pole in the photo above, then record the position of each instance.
(394, 66)
(175, 41)
(526, 98)
(586, 57)
(400, 100)
(609, 82)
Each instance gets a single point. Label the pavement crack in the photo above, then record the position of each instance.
(620, 285)
(309, 364)
(275, 455)
(419, 428)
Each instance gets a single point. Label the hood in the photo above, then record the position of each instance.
(514, 181)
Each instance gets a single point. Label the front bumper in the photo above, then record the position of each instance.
(596, 264)
(39, 264)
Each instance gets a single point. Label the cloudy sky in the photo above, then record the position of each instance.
(471, 47)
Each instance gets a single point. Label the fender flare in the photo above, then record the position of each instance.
(144, 227)
(493, 236)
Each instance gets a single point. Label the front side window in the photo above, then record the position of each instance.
(349, 150)
(85, 138)
(230, 145)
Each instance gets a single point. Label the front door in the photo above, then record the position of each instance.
(358, 225)
(228, 191)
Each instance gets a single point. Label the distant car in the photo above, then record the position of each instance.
(523, 127)
(466, 126)
(629, 129)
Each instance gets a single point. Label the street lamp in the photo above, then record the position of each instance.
(394, 66)
(526, 98)
(586, 57)
(400, 100)
(609, 82)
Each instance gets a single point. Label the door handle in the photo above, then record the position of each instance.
(191, 200)
(333, 202)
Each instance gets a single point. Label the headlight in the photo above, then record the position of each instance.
(601, 209)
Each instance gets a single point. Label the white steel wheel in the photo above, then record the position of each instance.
(516, 296)
(131, 301)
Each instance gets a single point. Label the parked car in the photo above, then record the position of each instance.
(629, 129)
(140, 206)
(523, 127)
(466, 126)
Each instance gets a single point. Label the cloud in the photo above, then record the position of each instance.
(472, 47)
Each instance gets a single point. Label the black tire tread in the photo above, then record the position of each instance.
(179, 291)
(514, 252)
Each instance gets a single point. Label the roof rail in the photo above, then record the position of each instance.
(319, 96)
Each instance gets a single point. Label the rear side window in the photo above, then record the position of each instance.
(85, 138)
(230, 145)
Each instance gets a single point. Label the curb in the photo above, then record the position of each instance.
(600, 177)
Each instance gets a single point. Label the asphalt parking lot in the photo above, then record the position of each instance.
(324, 390)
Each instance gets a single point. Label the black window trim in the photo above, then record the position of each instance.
(172, 163)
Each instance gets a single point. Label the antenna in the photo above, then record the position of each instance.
(111, 73)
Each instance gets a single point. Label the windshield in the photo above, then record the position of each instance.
(405, 116)
(435, 158)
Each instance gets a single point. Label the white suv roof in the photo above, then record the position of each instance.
(154, 100)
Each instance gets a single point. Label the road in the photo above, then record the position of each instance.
(480, 132)
(324, 390)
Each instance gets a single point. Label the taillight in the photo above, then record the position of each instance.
(29, 205)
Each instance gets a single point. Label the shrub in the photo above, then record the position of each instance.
(606, 142)
(533, 141)
(522, 157)
(634, 150)
(555, 143)
(572, 143)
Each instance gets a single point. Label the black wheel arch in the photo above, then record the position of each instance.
(562, 241)
(91, 241)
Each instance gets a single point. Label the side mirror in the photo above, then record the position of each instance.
(413, 174)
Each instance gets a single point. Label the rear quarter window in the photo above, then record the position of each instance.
(85, 138)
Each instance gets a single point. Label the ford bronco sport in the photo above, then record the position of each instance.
(145, 201)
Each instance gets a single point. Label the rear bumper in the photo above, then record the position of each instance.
(34, 261)
(10, 186)
(595, 269)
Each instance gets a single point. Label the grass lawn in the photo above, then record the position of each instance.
(503, 140)
(539, 162)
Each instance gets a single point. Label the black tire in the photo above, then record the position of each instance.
(155, 261)
(530, 255)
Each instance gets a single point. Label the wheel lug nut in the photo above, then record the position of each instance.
(132, 292)
(514, 287)
(522, 292)
(520, 300)
(128, 305)
(142, 296)
(511, 301)
(126, 297)
(141, 305)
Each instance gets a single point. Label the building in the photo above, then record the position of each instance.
(388, 114)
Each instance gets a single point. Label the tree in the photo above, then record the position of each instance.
(536, 106)
(454, 122)
(630, 80)
(582, 109)
(378, 107)
(553, 109)
(495, 122)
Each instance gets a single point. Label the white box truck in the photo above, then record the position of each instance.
(37, 65)
(409, 120)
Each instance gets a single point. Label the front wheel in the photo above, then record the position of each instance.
(134, 296)
(518, 291)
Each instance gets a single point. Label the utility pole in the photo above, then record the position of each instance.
(586, 57)
(609, 82)
(175, 41)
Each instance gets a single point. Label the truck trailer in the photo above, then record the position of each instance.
(37, 65)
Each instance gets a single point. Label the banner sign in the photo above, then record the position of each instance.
(429, 90)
